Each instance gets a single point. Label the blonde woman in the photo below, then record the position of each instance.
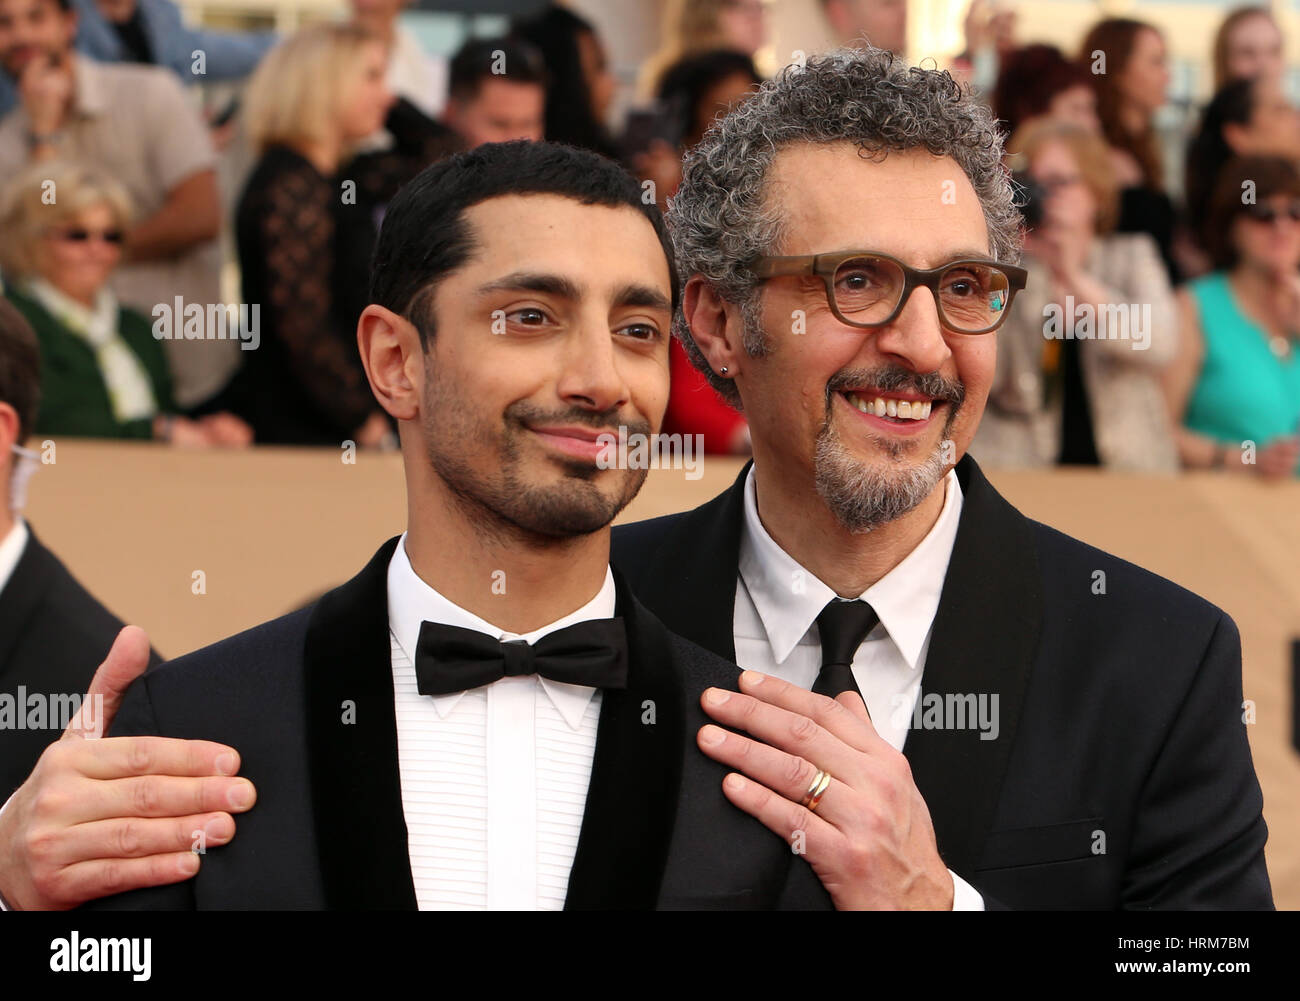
(302, 227)
(104, 374)
(1081, 355)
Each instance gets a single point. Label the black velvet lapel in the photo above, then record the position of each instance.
(33, 574)
(635, 775)
(984, 640)
(356, 786)
(690, 580)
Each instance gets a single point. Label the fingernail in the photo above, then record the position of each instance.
(716, 696)
(711, 735)
(240, 796)
(736, 783)
(217, 830)
(226, 764)
(751, 678)
(188, 864)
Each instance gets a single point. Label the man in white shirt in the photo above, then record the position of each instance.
(1068, 722)
(515, 729)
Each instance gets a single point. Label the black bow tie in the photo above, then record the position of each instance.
(451, 659)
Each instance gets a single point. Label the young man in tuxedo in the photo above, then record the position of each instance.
(1072, 722)
(516, 730)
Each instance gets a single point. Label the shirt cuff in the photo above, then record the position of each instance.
(964, 896)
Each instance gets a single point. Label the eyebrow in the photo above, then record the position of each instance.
(533, 281)
(642, 295)
(633, 294)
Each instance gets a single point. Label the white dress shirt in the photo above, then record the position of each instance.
(11, 549)
(494, 780)
(778, 601)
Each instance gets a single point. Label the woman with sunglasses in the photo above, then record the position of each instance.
(104, 375)
(1079, 358)
(1235, 386)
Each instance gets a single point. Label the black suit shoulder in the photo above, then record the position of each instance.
(245, 664)
(631, 544)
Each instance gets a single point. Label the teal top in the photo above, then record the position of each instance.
(1245, 392)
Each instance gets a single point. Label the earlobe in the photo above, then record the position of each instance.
(393, 359)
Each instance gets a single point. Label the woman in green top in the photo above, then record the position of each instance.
(1235, 386)
(103, 374)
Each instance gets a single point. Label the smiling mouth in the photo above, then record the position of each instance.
(903, 409)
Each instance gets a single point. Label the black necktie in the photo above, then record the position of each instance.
(843, 626)
(451, 659)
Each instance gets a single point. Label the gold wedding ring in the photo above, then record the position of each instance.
(816, 790)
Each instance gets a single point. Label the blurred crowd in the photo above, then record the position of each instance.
(1158, 329)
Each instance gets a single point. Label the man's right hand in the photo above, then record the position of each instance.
(102, 815)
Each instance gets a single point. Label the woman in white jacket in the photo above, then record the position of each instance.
(1080, 357)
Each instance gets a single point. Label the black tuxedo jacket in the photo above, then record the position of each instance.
(53, 635)
(1121, 776)
(328, 831)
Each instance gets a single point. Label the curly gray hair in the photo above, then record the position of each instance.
(720, 220)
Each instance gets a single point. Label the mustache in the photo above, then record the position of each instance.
(894, 378)
(531, 415)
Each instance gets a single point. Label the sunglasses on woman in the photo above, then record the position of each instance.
(78, 234)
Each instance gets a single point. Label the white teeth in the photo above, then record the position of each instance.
(899, 409)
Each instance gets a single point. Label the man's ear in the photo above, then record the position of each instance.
(716, 326)
(8, 438)
(394, 360)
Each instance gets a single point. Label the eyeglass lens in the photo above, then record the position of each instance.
(972, 297)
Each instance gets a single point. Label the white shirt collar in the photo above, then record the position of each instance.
(97, 325)
(411, 601)
(11, 550)
(789, 598)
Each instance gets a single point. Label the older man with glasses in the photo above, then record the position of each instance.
(986, 726)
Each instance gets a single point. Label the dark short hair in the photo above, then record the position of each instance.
(20, 367)
(479, 58)
(1270, 175)
(424, 236)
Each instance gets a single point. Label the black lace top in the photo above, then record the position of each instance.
(304, 243)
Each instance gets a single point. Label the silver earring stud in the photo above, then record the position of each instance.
(723, 370)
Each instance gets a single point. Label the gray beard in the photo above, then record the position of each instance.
(863, 496)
